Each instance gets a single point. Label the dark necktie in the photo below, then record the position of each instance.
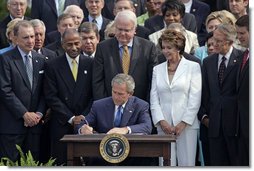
(94, 21)
(222, 69)
(29, 68)
(118, 116)
(245, 56)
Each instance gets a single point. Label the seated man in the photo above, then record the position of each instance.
(122, 113)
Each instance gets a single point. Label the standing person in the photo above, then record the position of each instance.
(242, 28)
(76, 13)
(90, 38)
(68, 91)
(218, 110)
(22, 103)
(40, 30)
(109, 54)
(151, 11)
(94, 8)
(176, 97)
(238, 7)
(49, 10)
(64, 21)
(17, 9)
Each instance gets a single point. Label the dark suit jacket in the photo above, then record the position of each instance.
(3, 26)
(48, 54)
(45, 10)
(135, 115)
(107, 64)
(103, 27)
(16, 94)
(56, 47)
(143, 32)
(64, 96)
(161, 58)
(52, 36)
(243, 100)
(200, 10)
(220, 104)
(156, 23)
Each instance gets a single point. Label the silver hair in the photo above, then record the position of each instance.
(73, 7)
(228, 30)
(38, 23)
(127, 15)
(124, 78)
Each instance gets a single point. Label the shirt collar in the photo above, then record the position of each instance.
(129, 44)
(23, 53)
(227, 55)
(69, 59)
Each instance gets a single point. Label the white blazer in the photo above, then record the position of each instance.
(179, 100)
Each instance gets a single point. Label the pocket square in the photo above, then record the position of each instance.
(41, 72)
(85, 71)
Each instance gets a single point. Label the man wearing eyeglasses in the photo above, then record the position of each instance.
(108, 60)
(17, 9)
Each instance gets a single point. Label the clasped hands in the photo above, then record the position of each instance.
(31, 119)
(176, 130)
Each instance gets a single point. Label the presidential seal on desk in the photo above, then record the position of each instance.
(114, 148)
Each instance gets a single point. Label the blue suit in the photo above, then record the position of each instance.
(135, 115)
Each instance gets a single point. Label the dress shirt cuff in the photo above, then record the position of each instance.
(70, 120)
(79, 131)
(205, 116)
(39, 113)
(129, 130)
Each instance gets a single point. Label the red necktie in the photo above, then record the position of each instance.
(245, 56)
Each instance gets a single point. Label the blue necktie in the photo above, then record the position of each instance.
(29, 68)
(118, 116)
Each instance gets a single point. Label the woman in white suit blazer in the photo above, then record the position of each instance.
(176, 97)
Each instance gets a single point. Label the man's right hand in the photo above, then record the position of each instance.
(85, 129)
(31, 119)
(205, 121)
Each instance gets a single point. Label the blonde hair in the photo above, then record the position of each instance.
(10, 26)
(223, 16)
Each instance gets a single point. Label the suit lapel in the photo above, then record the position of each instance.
(231, 64)
(81, 78)
(52, 5)
(21, 67)
(134, 55)
(66, 74)
(182, 68)
(116, 55)
(36, 68)
(110, 112)
(128, 112)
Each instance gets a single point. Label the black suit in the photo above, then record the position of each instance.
(107, 64)
(52, 36)
(143, 32)
(56, 47)
(156, 23)
(49, 54)
(200, 10)
(243, 113)
(220, 106)
(17, 98)
(45, 10)
(3, 26)
(66, 98)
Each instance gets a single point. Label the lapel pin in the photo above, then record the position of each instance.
(85, 71)
(36, 61)
(47, 58)
(234, 61)
(194, 10)
(130, 111)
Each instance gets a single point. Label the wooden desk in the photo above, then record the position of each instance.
(140, 146)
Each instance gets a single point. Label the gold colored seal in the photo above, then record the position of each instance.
(114, 148)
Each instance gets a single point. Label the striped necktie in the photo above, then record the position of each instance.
(29, 68)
